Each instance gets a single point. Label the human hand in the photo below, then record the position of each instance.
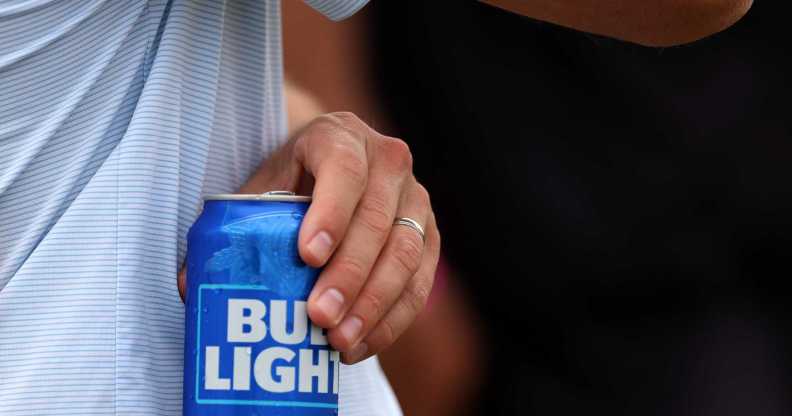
(377, 276)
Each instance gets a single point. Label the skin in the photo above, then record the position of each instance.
(455, 357)
(377, 276)
(657, 23)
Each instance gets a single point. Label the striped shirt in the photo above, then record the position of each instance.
(115, 118)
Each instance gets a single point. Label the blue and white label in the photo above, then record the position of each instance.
(256, 348)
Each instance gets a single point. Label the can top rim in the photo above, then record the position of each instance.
(274, 196)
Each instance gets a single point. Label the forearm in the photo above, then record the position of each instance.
(647, 22)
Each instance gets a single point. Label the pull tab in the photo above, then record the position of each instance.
(279, 193)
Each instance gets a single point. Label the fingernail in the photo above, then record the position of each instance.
(350, 328)
(331, 303)
(320, 246)
(357, 353)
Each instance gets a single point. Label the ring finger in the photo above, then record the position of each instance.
(396, 265)
(406, 308)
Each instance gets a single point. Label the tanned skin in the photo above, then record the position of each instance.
(656, 23)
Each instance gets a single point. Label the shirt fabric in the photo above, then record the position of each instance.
(116, 117)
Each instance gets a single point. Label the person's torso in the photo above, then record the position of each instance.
(115, 118)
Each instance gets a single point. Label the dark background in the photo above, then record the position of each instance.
(620, 216)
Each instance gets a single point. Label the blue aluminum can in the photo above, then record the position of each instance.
(249, 347)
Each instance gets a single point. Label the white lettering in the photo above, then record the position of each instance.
(309, 370)
(246, 313)
(278, 321)
(317, 336)
(212, 371)
(262, 370)
(274, 369)
(335, 357)
(242, 368)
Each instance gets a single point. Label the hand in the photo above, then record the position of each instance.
(377, 276)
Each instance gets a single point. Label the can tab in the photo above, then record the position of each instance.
(279, 193)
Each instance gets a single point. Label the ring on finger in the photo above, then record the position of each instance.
(409, 222)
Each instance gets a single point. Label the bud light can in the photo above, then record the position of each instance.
(249, 346)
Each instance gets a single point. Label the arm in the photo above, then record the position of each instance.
(647, 22)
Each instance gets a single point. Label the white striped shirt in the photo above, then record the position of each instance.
(115, 118)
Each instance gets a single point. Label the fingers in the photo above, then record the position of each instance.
(342, 279)
(333, 150)
(397, 265)
(377, 276)
(409, 304)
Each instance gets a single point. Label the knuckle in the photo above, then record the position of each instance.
(321, 127)
(345, 118)
(352, 164)
(433, 237)
(407, 252)
(415, 298)
(304, 142)
(345, 144)
(398, 152)
(340, 125)
(423, 195)
(436, 238)
(374, 214)
(374, 306)
(386, 334)
(351, 269)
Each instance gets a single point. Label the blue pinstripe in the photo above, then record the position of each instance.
(115, 118)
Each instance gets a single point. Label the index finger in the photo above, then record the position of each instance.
(333, 150)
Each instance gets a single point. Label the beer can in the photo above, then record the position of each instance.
(249, 346)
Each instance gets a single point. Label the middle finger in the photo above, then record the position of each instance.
(340, 282)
